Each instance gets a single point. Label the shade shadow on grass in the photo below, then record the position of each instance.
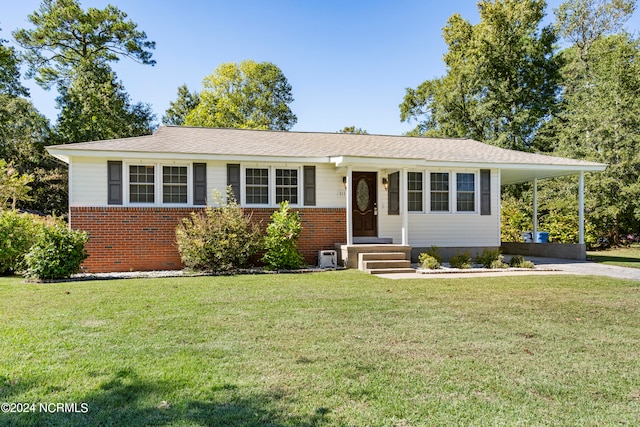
(616, 260)
(125, 400)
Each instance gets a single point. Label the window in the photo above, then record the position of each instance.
(174, 184)
(439, 192)
(414, 187)
(465, 195)
(141, 184)
(287, 186)
(257, 184)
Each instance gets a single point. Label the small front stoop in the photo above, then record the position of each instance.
(384, 263)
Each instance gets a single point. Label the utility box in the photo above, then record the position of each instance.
(327, 259)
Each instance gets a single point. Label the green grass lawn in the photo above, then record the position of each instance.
(336, 348)
(625, 257)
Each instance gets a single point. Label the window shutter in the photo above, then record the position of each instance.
(309, 185)
(114, 179)
(394, 193)
(485, 192)
(233, 180)
(199, 183)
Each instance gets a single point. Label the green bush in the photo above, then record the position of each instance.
(491, 258)
(461, 260)
(218, 239)
(434, 251)
(428, 261)
(57, 253)
(18, 232)
(518, 261)
(281, 241)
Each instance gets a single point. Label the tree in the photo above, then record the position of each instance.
(10, 72)
(501, 82)
(582, 22)
(95, 106)
(600, 122)
(353, 130)
(65, 36)
(247, 95)
(181, 107)
(13, 185)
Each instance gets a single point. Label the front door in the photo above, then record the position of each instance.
(364, 204)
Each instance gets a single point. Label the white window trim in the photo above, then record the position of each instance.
(424, 210)
(449, 211)
(476, 193)
(453, 192)
(271, 184)
(157, 184)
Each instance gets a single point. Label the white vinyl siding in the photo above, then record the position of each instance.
(446, 229)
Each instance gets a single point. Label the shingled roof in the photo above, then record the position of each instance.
(235, 143)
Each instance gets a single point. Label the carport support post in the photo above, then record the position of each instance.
(535, 211)
(349, 206)
(581, 209)
(404, 207)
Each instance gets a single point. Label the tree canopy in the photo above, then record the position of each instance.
(181, 107)
(65, 37)
(10, 72)
(95, 106)
(249, 94)
(501, 81)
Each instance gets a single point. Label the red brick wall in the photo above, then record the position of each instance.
(143, 239)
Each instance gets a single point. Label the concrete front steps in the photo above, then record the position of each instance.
(384, 262)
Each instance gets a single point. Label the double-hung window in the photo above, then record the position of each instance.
(141, 184)
(174, 184)
(257, 186)
(439, 192)
(287, 186)
(414, 188)
(466, 192)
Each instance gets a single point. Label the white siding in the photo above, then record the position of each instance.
(88, 183)
(445, 229)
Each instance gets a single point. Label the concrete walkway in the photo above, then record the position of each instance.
(543, 266)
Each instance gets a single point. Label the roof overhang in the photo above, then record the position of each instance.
(510, 173)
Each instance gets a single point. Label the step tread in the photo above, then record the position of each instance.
(390, 270)
(396, 263)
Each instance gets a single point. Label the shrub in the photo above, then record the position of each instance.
(18, 232)
(491, 258)
(518, 261)
(461, 260)
(281, 241)
(218, 239)
(57, 253)
(434, 251)
(428, 261)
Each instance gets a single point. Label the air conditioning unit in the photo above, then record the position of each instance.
(327, 259)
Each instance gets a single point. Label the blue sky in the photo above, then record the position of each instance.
(348, 62)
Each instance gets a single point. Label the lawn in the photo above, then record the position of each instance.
(625, 257)
(325, 349)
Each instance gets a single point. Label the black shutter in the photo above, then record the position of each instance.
(114, 179)
(309, 185)
(233, 180)
(394, 193)
(485, 192)
(199, 183)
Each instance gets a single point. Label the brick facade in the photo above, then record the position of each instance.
(143, 239)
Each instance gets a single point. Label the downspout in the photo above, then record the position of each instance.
(349, 206)
(581, 209)
(535, 210)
